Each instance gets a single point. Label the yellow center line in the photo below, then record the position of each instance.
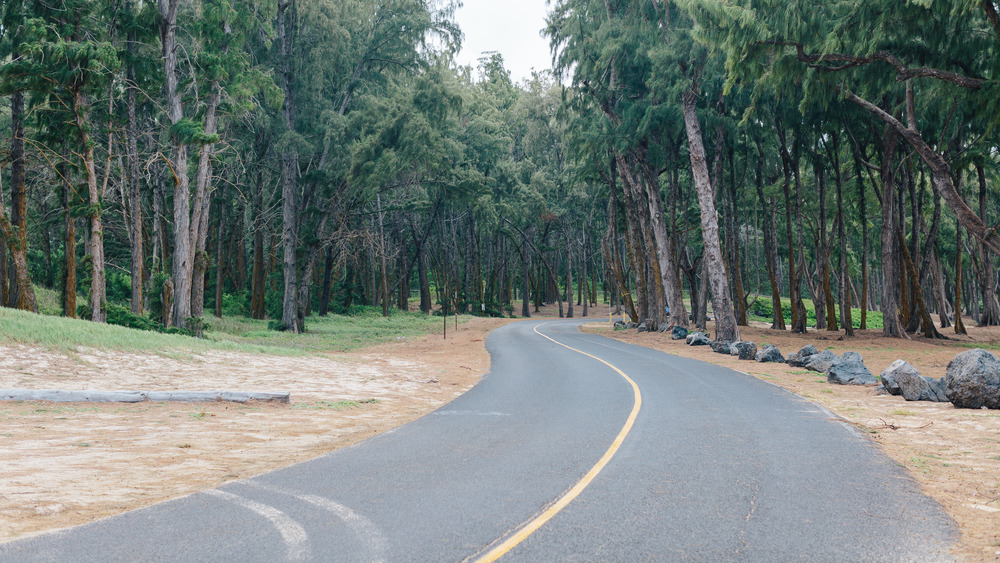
(539, 521)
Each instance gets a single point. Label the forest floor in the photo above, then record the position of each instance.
(70, 463)
(954, 454)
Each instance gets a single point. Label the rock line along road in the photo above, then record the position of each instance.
(574, 448)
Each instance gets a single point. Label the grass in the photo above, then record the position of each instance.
(983, 345)
(335, 405)
(903, 412)
(330, 334)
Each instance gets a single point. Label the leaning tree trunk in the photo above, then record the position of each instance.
(725, 320)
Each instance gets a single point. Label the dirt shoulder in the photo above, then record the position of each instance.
(953, 453)
(70, 463)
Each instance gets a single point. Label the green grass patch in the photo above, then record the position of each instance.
(983, 345)
(362, 327)
(334, 405)
(903, 412)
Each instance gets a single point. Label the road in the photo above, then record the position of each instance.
(663, 458)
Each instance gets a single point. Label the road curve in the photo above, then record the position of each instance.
(717, 465)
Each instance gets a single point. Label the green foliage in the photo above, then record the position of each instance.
(762, 310)
(190, 132)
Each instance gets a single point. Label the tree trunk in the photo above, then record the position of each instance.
(201, 206)
(21, 293)
(725, 320)
(183, 264)
(959, 325)
(891, 322)
(987, 280)
(289, 172)
(69, 241)
(134, 203)
(791, 210)
(569, 277)
(98, 296)
(824, 254)
(770, 257)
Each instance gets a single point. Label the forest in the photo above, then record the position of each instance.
(815, 165)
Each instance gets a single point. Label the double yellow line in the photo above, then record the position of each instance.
(531, 527)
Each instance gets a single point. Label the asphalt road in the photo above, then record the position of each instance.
(715, 466)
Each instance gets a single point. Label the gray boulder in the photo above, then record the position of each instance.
(938, 394)
(850, 372)
(801, 358)
(823, 361)
(902, 379)
(679, 333)
(630, 325)
(972, 380)
(721, 347)
(619, 325)
(852, 356)
(643, 328)
(698, 339)
(745, 350)
(770, 353)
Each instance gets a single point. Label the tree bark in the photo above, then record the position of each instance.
(289, 172)
(21, 292)
(725, 320)
(770, 257)
(98, 295)
(182, 270)
(69, 241)
(134, 203)
(891, 322)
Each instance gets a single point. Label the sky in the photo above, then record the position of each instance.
(512, 27)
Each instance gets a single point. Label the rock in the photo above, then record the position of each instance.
(801, 358)
(937, 390)
(823, 361)
(721, 347)
(643, 328)
(901, 378)
(631, 325)
(972, 380)
(852, 356)
(770, 353)
(890, 376)
(619, 325)
(849, 371)
(745, 350)
(664, 327)
(698, 339)
(679, 333)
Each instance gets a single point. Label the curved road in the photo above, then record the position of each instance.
(715, 466)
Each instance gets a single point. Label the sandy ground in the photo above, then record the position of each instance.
(953, 453)
(69, 463)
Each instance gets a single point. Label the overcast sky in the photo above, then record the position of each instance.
(512, 27)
